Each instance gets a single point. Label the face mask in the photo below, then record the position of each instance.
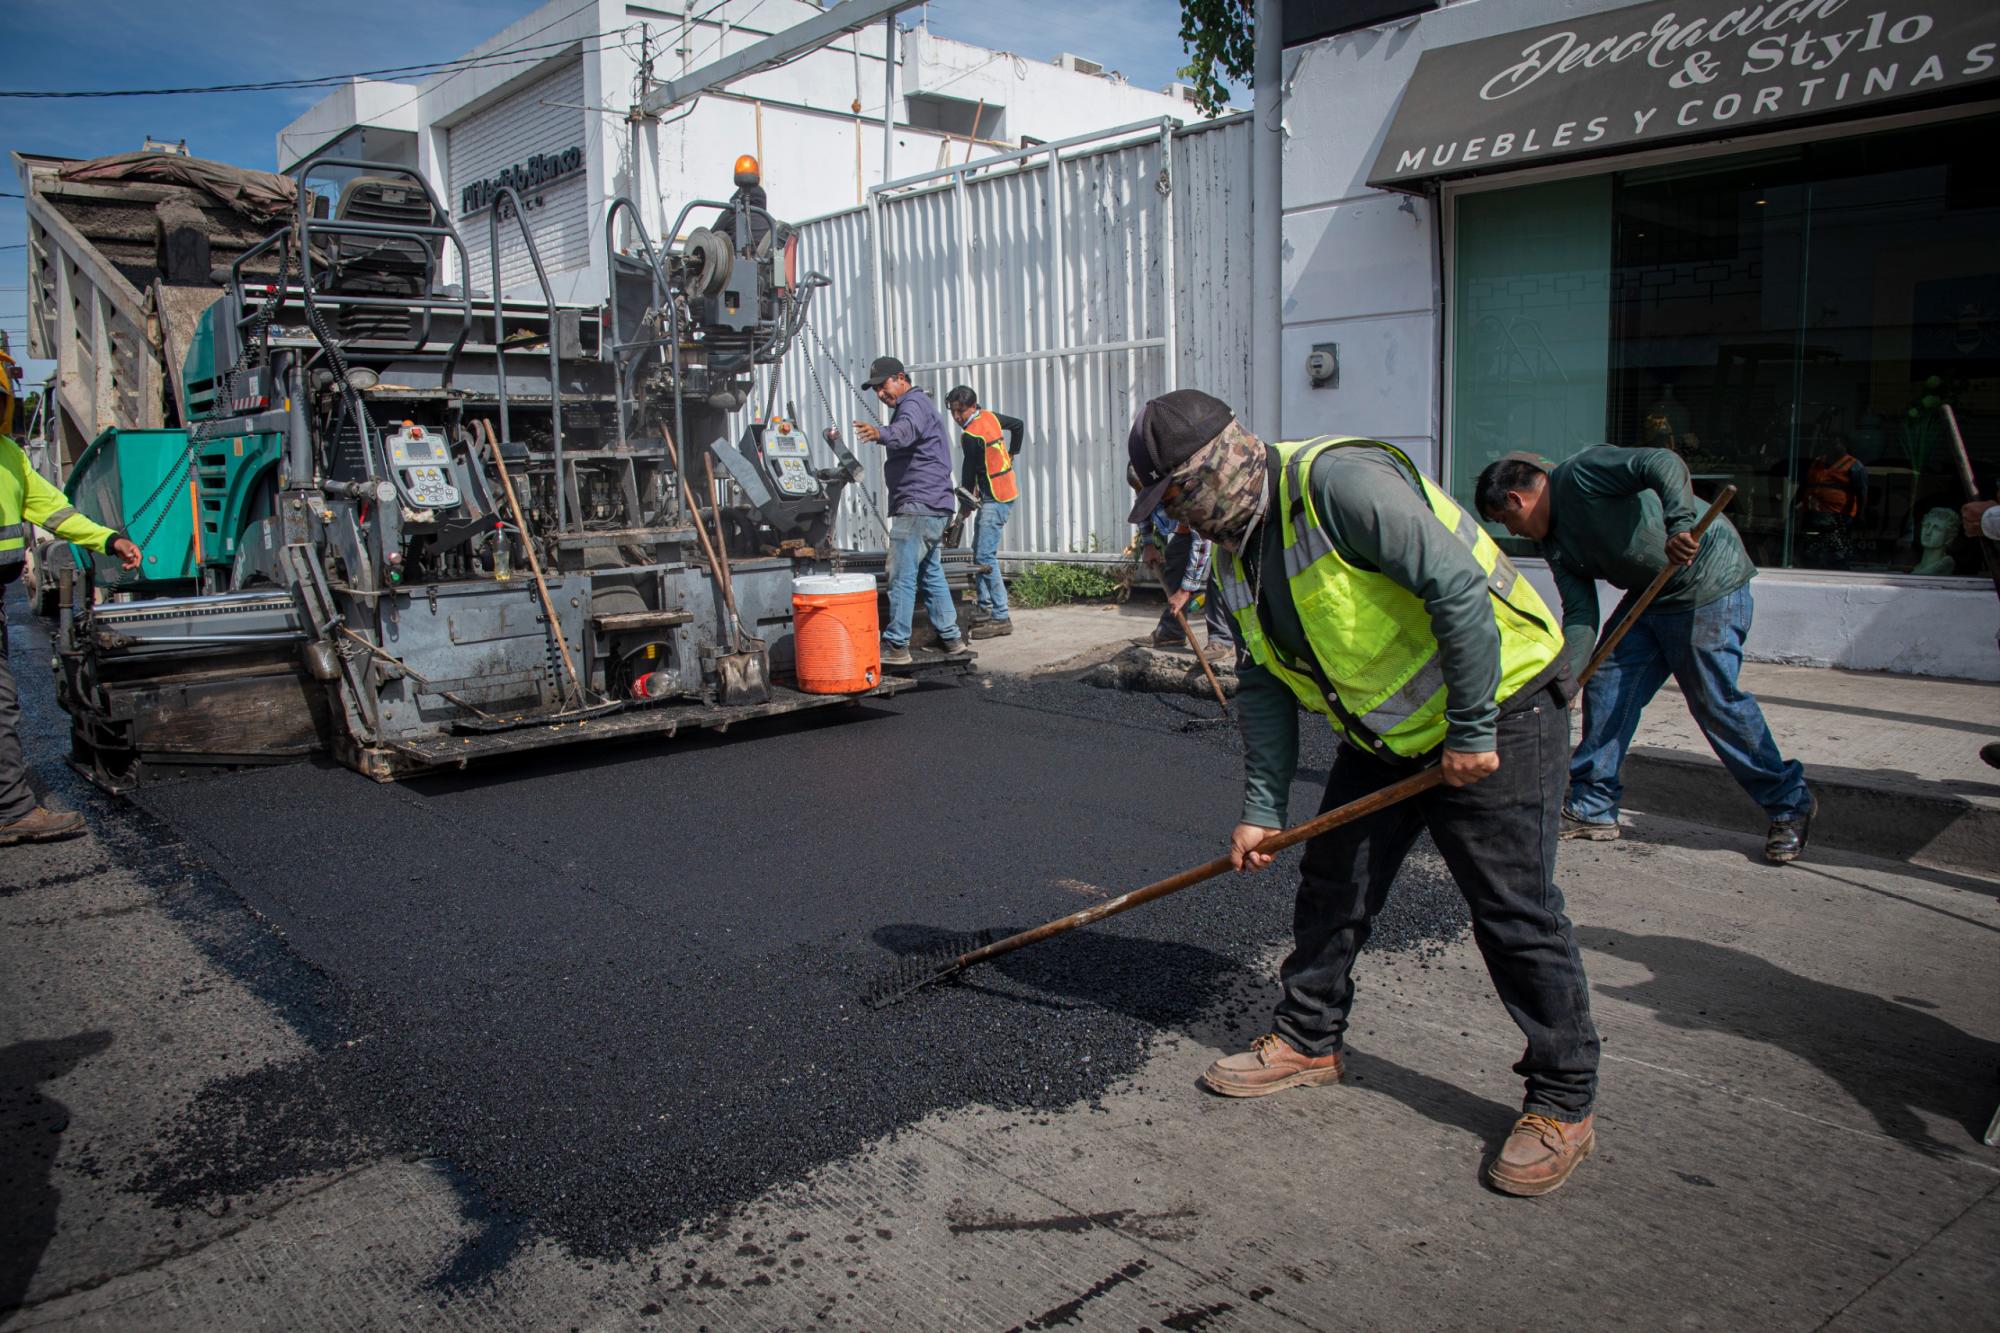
(1223, 492)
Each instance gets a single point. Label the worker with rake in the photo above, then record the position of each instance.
(1364, 594)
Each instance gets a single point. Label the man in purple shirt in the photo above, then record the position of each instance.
(917, 467)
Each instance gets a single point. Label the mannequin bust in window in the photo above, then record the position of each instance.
(1935, 535)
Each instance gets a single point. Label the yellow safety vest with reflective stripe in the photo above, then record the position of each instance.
(1379, 681)
(27, 498)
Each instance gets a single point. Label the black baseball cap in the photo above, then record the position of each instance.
(881, 371)
(1170, 430)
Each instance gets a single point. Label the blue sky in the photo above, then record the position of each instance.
(78, 44)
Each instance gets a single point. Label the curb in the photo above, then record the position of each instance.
(1934, 824)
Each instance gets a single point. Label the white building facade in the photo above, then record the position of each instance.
(552, 98)
(1755, 234)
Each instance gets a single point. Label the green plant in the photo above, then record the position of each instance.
(1049, 584)
(1218, 39)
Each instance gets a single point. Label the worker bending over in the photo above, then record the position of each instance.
(1362, 593)
(987, 443)
(917, 469)
(26, 498)
(1623, 515)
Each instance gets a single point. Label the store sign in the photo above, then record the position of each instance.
(1664, 73)
(539, 170)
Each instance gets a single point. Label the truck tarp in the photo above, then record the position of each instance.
(259, 194)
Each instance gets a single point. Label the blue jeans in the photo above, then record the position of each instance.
(990, 587)
(1701, 649)
(914, 542)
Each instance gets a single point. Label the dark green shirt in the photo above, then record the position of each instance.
(1376, 515)
(1611, 511)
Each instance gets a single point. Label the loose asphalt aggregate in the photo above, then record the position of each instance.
(619, 991)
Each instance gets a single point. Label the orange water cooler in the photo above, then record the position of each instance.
(837, 634)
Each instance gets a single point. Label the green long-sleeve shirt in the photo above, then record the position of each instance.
(1611, 511)
(25, 497)
(1376, 515)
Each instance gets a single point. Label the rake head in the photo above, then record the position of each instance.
(939, 962)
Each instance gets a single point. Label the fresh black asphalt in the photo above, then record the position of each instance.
(618, 991)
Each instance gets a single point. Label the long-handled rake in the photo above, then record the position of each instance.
(947, 961)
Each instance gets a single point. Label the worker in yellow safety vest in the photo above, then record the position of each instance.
(987, 444)
(26, 498)
(1363, 594)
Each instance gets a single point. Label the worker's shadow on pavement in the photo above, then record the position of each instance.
(1197, 992)
(1163, 983)
(31, 1130)
(1896, 1061)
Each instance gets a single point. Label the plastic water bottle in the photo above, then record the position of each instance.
(503, 554)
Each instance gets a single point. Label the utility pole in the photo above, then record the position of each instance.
(1267, 228)
(888, 98)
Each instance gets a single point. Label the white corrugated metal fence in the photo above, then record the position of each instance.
(1138, 288)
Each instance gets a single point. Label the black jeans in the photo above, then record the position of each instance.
(1498, 836)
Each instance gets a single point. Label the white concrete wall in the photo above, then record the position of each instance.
(1038, 99)
(1362, 269)
(806, 136)
(368, 104)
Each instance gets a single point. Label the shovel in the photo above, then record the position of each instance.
(743, 675)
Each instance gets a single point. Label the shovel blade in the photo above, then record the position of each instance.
(745, 677)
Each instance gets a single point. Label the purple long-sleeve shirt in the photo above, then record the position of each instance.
(917, 463)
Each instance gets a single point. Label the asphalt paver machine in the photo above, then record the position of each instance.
(426, 526)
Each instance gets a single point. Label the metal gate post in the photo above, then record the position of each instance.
(1059, 319)
(965, 303)
(1172, 376)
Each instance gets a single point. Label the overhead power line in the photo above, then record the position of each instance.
(431, 68)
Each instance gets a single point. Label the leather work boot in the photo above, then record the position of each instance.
(991, 629)
(41, 824)
(1270, 1065)
(895, 654)
(1167, 638)
(1787, 837)
(1572, 827)
(1539, 1155)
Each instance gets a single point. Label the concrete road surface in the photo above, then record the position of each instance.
(229, 1074)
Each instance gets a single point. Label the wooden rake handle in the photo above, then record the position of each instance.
(534, 561)
(1395, 792)
(1199, 656)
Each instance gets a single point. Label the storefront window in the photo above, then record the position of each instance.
(1789, 322)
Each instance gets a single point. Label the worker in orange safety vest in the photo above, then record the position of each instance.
(988, 442)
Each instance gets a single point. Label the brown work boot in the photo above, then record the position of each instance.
(1270, 1065)
(41, 824)
(1539, 1155)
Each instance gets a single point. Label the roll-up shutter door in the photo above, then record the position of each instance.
(545, 118)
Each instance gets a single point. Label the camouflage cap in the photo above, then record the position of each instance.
(1222, 487)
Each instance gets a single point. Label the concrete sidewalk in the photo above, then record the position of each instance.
(1894, 759)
